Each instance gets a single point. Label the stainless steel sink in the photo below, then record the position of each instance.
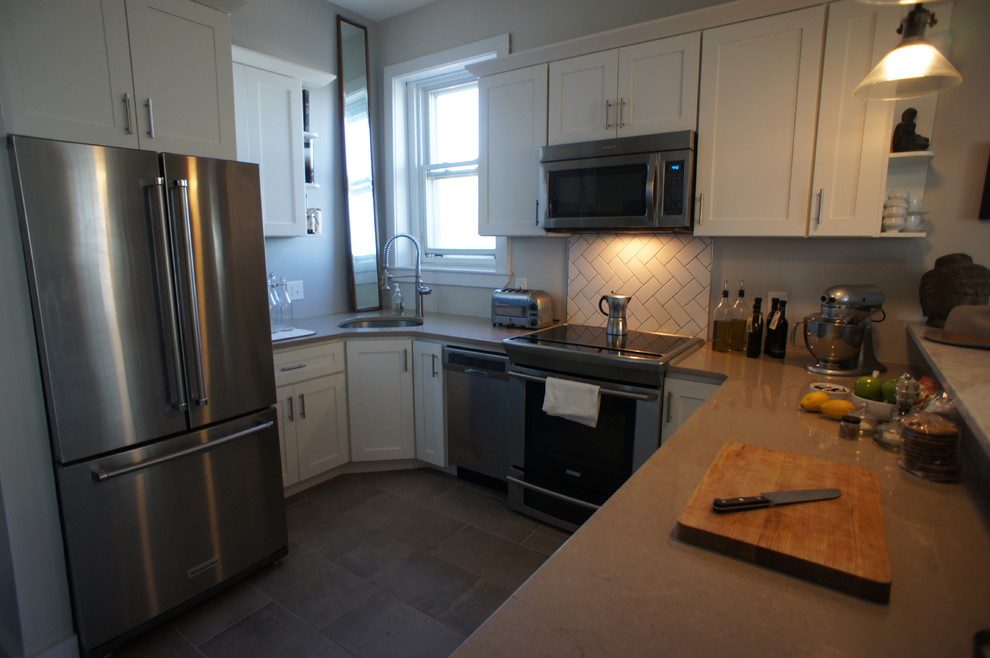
(380, 322)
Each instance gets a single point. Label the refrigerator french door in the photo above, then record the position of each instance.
(147, 275)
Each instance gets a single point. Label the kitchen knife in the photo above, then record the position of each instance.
(772, 499)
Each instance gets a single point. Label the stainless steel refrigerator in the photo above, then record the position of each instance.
(147, 274)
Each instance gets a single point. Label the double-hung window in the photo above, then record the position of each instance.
(434, 159)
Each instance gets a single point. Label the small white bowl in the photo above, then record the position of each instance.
(897, 194)
(896, 203)
(884, 411)
(834, 391)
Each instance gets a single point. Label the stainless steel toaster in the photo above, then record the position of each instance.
(517, 307)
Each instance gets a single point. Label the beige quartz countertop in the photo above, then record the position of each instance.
(623, 585)
(460, 329)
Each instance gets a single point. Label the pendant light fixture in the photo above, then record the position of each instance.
(914, 67)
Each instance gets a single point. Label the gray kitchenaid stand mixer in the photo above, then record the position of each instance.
(840, 337)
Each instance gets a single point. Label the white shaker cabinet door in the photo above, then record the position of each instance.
(513, 123)
(756, 125)
(853, 133)
(183, 83)
(269, 132)
(380, 399)
(65, 71)
(583, 104)
(321, 429)
(658, 86)
(431, 445)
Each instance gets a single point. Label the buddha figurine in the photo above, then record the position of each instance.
(955, 281)
(905, 137)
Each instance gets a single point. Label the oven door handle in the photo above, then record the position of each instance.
(604, 391)
(553, 494)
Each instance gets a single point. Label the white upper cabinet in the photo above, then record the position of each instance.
(853, 133)
(180, 55)
(513, 125)
(646, 88)
(756, 125)
(269, 132)
(151, 74)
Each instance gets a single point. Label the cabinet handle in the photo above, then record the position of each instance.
(701, 201)
(821, 203)
(295, 367)
(537, 218)
(670, 402)
(151, 117)
(128, 108)
(291, 409)
(302, 405)
(622, 107)
(405, 360)
(434, 357)
(608, 108)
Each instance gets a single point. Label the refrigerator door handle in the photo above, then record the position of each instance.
(102, 476)
(166, 291)
(191, 298)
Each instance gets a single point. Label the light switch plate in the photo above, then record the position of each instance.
(295, 290)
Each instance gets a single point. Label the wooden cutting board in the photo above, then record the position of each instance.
(840, 543)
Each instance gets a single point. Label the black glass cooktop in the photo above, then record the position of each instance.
(584, 338)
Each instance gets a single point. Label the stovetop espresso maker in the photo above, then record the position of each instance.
(617, 304)
(840, 337)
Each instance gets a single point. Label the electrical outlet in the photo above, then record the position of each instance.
(295, 290)
(520, 282)
(778, 294)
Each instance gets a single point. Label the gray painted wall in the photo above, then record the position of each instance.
(305, 32)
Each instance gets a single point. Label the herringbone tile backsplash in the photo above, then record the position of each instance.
(668, 277)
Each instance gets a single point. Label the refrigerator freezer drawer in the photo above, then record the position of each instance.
(149, 529)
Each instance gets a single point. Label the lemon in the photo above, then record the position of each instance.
(836, 409)
(813, 401)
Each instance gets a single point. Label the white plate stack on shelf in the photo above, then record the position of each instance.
(902, 213)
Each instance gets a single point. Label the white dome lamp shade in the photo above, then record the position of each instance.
(914, 67)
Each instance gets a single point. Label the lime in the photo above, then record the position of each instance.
(889, 391)
(868, 387)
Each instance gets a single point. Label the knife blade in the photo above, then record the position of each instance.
(772, 499)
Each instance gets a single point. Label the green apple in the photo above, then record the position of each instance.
(889, 391)
(868, 387)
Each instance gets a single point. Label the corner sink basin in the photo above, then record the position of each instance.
(380, 322)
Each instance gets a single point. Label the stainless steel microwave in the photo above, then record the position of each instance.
(631, 184)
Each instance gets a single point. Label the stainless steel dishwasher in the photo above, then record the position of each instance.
(477, 385)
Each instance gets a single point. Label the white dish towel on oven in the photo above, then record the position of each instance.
(574, 401)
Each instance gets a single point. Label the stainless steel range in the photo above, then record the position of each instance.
(562, 470)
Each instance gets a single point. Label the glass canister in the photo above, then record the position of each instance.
(930, 447)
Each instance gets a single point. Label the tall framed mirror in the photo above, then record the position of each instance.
(359, 171)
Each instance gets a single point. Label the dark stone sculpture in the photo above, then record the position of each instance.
(955, 281)
(905, 137)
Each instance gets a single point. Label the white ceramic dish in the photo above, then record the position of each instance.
(834, 391)
(884, 411)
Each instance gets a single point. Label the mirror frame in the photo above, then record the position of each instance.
(356, 301)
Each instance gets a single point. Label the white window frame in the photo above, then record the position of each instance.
(401, 181)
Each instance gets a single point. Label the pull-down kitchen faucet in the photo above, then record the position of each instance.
(388, 278)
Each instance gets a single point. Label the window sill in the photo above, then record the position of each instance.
(459, 277)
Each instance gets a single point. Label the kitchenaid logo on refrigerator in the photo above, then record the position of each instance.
(205, 566)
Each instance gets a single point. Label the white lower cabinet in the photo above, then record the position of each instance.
(312, 410)
(431, 444)
(380, 399)
(683, 396)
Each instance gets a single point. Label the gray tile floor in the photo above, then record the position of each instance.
(394, 563)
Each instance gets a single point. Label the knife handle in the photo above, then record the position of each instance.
(723, 505)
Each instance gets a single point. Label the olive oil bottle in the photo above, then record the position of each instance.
(721, 320)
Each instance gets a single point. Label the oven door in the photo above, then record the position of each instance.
(563, 471)
(610, 192)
